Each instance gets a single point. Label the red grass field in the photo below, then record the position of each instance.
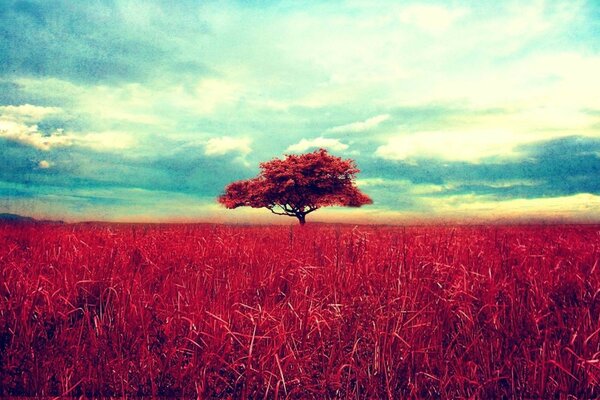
(315, 312)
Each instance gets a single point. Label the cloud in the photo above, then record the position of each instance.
(557, 82)
(402, 186)
(576, 207)
(95, 41)
(305, 144)
(361, 126)
(31, 136)
(471, 208)
(433, 19)
(226, 144)
(212, 93)
(17, 124)
(559, 167)
(44, 164)
(28, 112)
(105, 141)
(471, 146)
(503, 183)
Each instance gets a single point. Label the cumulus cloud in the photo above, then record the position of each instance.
(226, 144)
(305, 144)
(19, 124)
(31, 136)
(360, 126)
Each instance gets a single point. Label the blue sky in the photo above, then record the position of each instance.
(144, 110)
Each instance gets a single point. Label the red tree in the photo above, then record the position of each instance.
(298, 185)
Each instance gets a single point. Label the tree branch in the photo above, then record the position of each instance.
(275, 212)
(286, 212)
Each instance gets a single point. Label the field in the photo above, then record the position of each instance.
(321, 311)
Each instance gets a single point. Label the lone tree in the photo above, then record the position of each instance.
(298, 185)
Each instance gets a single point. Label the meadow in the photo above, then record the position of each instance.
(320, 311)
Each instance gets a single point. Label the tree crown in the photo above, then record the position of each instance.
(298, 185)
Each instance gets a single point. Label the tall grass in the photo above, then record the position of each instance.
(318, 312)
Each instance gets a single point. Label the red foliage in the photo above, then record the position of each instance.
(298, 185)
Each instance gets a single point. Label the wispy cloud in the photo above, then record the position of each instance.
(105, 141)
(434, 19)
(360, 126)
(226, 144)
(471, 146)
(28, 112)
(580, 207)
(306, 144)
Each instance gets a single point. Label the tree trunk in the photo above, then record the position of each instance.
(301, 218)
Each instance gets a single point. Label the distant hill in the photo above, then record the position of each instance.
(15, 218)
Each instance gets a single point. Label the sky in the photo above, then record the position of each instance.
(131, 110)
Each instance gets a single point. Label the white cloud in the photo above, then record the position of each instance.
(453, 146)
(44, 164)
(504, 183)
(361, 126)
(422, 189)
(370, 182)
(432, 19)
(403, 186)
(226, 144)
(108, 140)
(130, 103)
(28, 112)
(472, 208)
(31, 136)
(559, 83)
(17, 123)
(212, 93)
(583, 206)
(305, 144)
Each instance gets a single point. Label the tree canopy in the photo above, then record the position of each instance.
(298, 185)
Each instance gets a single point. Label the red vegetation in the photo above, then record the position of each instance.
(298, 185)
(319, 312)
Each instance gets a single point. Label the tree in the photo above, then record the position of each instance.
(298, 185)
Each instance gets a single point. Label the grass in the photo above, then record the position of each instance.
(285, 312)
